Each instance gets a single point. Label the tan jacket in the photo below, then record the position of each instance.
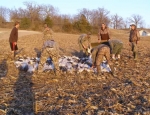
(134, 36)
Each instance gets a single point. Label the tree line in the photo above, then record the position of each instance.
(34, 15)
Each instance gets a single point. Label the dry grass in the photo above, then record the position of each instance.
(43, 94)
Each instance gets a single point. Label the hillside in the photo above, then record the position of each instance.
(42, 94)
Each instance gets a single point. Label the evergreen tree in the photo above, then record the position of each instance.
(48, 21)
(67, 26)
(25, 23)
(82, 25)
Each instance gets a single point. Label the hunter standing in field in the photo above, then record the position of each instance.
(48, 33)
(104, 33)
(49, 50)
(84, 42)
(98, 53)
(134, 38)
(115, 47)
(14, 38)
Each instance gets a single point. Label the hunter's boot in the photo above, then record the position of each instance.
(15, 53)
(112, 70)
(98, 70)
(135, 55)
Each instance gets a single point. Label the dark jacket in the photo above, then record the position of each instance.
(104, 34)
(13, 35)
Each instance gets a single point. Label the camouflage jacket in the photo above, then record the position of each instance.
(48, 33)
(112, 43)
(95, 51)
(83, 38)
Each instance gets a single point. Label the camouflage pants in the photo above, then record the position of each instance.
(134, 49)
(82, 50)
(52, 53)
(117, 48)
(103, 52)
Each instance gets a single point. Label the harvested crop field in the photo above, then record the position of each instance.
(127, 93)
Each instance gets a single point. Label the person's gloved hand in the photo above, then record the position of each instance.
(85, 47)
(93, 66)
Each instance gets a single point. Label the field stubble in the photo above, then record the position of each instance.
(85, 93)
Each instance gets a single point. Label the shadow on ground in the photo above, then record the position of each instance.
(22, 102)
(3, 68)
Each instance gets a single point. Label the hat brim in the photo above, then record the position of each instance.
(132, 25)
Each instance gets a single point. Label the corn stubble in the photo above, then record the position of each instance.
(128, 92)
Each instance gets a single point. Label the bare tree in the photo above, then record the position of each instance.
(103, 16)
(125, 23)
(3, 14)
(86, 12)
(68, 17)
(33, 11)
(14, 14)
(17, 14)
(48, 10)
(95, 17)
(99, 16)
(23, 13)
(136, 19)
(117, 21)
(142, 24)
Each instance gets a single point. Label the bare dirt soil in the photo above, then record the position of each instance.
(127, 93)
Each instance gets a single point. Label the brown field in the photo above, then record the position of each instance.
(128, 93)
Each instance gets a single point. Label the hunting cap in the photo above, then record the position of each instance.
(132, 25)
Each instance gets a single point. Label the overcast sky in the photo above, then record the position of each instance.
(124, 8)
